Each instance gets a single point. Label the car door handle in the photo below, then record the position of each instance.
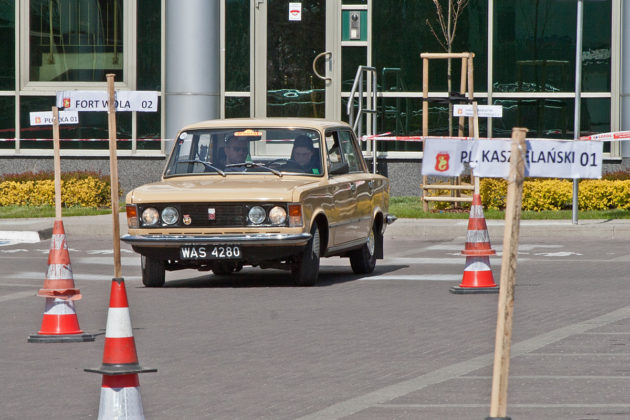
(353, 187)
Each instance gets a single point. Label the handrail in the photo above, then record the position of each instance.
(357, 125)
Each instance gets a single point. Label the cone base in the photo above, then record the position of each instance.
(472, 290)
(64, 338)
(104, 370)
(498, 418)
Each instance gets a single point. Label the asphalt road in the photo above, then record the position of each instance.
(392, 345)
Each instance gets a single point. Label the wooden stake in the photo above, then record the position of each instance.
(476, 137)
(57, 162)
(498, 399)
(113, 171)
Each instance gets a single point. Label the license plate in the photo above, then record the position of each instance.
(210, 252)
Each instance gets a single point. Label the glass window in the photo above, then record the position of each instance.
(149, 49)
(350, 153)
(91, 133)
(400, 34)
(7, 122)
(236, 107)
(536, 52)
(7, 46)
(75, 40)
(237, 46)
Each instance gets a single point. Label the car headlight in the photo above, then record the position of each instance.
(150, 217)
(257, 215)
(170, 215)
(277, 215)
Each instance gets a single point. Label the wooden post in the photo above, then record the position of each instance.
(113, 171)
(57, 162)
(498, 399)
(425, 115)
(471, 88)
(462, 90)
(476, 137)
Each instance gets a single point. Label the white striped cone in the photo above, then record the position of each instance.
(59, 281)
(60, 323)
(477, 238)
(120, 398)
(120, 390)
(477, 277)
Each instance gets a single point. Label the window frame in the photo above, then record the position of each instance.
(129, 10)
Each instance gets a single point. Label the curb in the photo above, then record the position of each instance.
(25, 236)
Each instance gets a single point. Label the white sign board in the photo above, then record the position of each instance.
(126, 100)
(46, 117)
(491, 158)
(483, 111)
(295, 11)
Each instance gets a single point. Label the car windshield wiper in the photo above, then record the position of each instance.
(206, 164)
(254, 165)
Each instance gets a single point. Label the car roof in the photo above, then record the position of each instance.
(315, 123)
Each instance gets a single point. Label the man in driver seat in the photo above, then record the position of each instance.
(236, 151)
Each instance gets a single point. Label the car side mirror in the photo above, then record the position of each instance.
(339, 168)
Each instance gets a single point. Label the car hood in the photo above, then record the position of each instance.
(217, 189)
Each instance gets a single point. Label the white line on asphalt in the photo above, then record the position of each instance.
(424, 277)
(79, 277)
(457, 370)
(132, 261)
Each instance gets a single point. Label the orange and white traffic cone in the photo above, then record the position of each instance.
(477, 273)
(60, 322)
(120, 388)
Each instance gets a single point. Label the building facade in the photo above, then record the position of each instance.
(242, 58)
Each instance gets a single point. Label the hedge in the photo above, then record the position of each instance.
(84, 189)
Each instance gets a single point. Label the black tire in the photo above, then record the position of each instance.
(153, 272)
(363, 260)
(306, 271)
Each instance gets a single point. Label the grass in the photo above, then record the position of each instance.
(403, 207)
(411, 207)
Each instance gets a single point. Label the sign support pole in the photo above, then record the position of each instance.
(113, 171)
(57, 162)
(498, 399)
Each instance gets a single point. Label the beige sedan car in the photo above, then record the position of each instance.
(271, 193)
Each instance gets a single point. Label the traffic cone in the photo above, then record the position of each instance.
(120, 388)
(60, 322)
(477, 273)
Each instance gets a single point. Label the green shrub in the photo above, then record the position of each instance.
(82, 189)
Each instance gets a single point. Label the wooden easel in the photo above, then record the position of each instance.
(466, 84)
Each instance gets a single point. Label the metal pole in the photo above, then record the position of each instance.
(578, 94)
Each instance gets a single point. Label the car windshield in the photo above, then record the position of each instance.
(226, 151)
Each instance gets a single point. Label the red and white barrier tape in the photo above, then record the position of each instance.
(78, 140)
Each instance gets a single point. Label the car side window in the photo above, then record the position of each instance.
(349, 151)
(333, 148)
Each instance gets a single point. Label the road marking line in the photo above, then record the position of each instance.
(381, 396)
(424, 277)
(79, 277)
(17, 295)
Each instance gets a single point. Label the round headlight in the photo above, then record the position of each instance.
(170, 215)
(150, 217)
(257, 215)
(277, 215)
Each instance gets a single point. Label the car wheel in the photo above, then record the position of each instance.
(153, 272)
(363, 260)
(306, 271)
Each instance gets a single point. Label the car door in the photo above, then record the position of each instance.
(361, 185)
(340, 189)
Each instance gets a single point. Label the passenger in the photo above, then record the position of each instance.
(305, 155)
(236, 151)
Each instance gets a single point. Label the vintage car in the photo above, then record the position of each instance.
(271, 193)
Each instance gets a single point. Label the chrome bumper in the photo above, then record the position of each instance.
(299, 239)
(389, 219)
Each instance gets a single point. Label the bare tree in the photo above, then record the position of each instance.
(446, 37)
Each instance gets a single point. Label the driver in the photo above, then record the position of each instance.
(236, 151)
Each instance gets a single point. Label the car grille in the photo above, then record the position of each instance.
(225, 215)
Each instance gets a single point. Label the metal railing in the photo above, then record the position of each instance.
(365, 93)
